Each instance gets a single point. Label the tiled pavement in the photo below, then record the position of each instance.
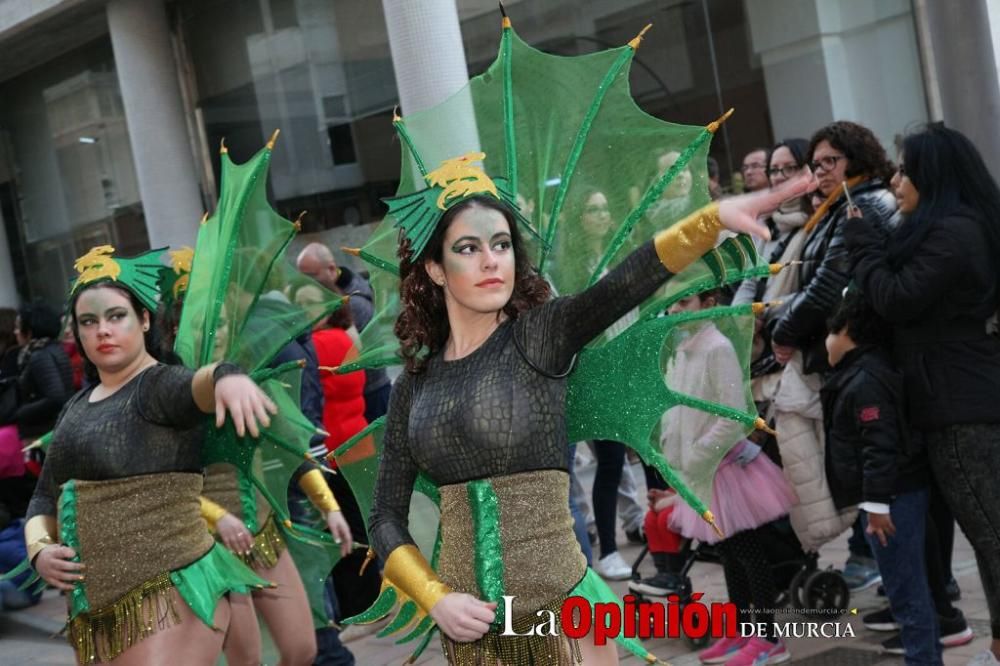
(26, 636)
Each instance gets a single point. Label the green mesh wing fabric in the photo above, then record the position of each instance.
(688, 372)
(244, 300)
(357, 459)
(244, 303)
(595, 177)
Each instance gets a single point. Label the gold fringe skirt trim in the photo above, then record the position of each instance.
(103, 635)
(493, 649)
(268, 545)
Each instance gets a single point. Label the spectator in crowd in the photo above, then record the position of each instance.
(748, 489)
(841, 152)
(754, 170)
(317, 261)
(714, 186)
(45, 376)
(873, 462)
(935, 279)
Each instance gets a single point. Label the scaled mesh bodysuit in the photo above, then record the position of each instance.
(123, 475)
(150, 425)
(491, 413)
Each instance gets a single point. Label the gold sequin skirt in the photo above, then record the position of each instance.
(130, 533)
(541, 563)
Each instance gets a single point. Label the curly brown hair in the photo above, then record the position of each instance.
(865, 155)
(422, 326)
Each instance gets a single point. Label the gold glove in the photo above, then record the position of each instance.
(314, 485)
(39, 532)
(685, 242)
(211, 512)
(407, 569)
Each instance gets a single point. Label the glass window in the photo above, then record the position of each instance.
(71, 179)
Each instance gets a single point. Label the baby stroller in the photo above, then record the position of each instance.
(801, 583)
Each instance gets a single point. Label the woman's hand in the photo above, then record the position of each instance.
(462, 617)
(340, 531)
(245, 402)
(782, 354)
(880, 525)
(742, 214)
(235, 534)
(55, 564)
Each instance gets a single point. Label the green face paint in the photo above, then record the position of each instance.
(109, 328)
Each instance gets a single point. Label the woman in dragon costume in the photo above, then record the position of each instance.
(499, 378)
(144, 581)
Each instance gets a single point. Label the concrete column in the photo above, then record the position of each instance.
(154, 112)
(428, 58)
(427, 52)
(847, 60)
(966, 67)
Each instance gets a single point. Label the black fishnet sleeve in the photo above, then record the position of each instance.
(389, 522)
(165, 397)
(552, 333)
(43, 500)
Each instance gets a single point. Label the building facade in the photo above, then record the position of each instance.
(112, 111)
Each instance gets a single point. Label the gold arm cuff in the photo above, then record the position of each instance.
(211, 512)
(684, 242)
(407, 569)
(203, 388)
(39, 532)
(314, 485)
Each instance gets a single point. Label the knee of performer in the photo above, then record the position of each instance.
(302, 652)
(243, 654)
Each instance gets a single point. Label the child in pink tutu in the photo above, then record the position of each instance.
(748, 490)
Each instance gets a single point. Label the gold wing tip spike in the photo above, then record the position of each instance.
(273, 139)
(204, 218)
(714, 126)
(395, 114)
(298, 221)
(320, 431)
(759, 307)
(774, 269)
(369, 556)
(761, 424)
(710, 519)
(637, 40)
(353, 251)
(287, 523)
(222, 146)
(301, 362)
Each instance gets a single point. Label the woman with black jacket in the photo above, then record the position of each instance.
(936, 280)
(45, 377)
(841, 152)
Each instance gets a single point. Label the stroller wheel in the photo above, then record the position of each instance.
(797, 589)
(827, 590)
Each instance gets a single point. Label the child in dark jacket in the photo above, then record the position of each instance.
(871, 461)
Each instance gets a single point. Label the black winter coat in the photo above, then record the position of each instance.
(938, 303)
(825, 271)
(45, 384)
(870, 455)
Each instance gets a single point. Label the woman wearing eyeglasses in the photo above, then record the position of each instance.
(784, 161)
(842, 151)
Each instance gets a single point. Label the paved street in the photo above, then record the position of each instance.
(26, 636)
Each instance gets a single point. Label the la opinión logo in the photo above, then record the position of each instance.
(631, 619)
(663, 619)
